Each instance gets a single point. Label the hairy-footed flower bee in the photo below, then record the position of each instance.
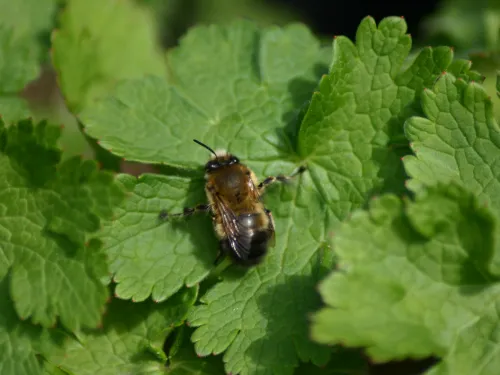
(245, 228)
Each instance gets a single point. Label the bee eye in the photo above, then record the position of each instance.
(212, 165)
(234, 160)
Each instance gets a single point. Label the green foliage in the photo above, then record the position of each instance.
(130, 335)
(184, 361)
(465, 25)
(352, 132)
(20, 341)
(13, 108)
(264, 100)
(23, 24)
(175, 17)
(148, 258)
(474, 350)
(458, 139)
(242, 314)
(342, 362)
(392, 258)
(473, 29)
(429, 266)
(89, 53)
(400, 277)
(49, 211)
(228, 81)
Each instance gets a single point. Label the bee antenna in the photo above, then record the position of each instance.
(204, 145)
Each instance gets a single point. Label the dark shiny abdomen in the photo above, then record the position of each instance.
(252, 242)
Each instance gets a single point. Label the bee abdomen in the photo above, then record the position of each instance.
(251, 243)
(251, 249)
(258, 247)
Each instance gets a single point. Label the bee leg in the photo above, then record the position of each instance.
(188, 211)
(280, 178)
(224, 250)
(270, 228)
(219, 258)
(269, 215)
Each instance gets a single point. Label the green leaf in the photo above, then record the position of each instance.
(49, 211)
(411, 274)
(459, 140)
(268, 13)
(51, 369)
(22, 26)
(464, 24)
(475, 350)
(184, 361)
(130, 332)
(461, 69)
(13, 109)
(498, 83)
(100, 43)
(352, 133)
(260, 317)
(28, 18)
(342, 362)
(18, 61)
(149, 257)
(21, 342)
(23, 23)
(231, 86)
(266, 107)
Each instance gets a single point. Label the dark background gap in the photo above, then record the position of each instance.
(343, 17)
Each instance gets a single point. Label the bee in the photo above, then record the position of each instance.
(244, 227)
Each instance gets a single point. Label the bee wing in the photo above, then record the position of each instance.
(253, 190)
(239, 238)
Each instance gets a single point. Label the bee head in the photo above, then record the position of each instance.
(219, 159)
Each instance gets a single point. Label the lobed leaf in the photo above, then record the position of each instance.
(20, 342)
(100, 43)
(184, 361)
(149, 257)
(237, 57)
(411, 274)
(429, 268)
(259, 318)
(346, 137)
(23, 26)
(476, 346)
(13, 109)
(222, 89)
(458, 140)
(352, 133)
(49, 210)
(227, 88)
(130, 335)
(23, 23)
(18, 61)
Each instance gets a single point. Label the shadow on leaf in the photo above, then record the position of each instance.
(300, 91)
(285, 308)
